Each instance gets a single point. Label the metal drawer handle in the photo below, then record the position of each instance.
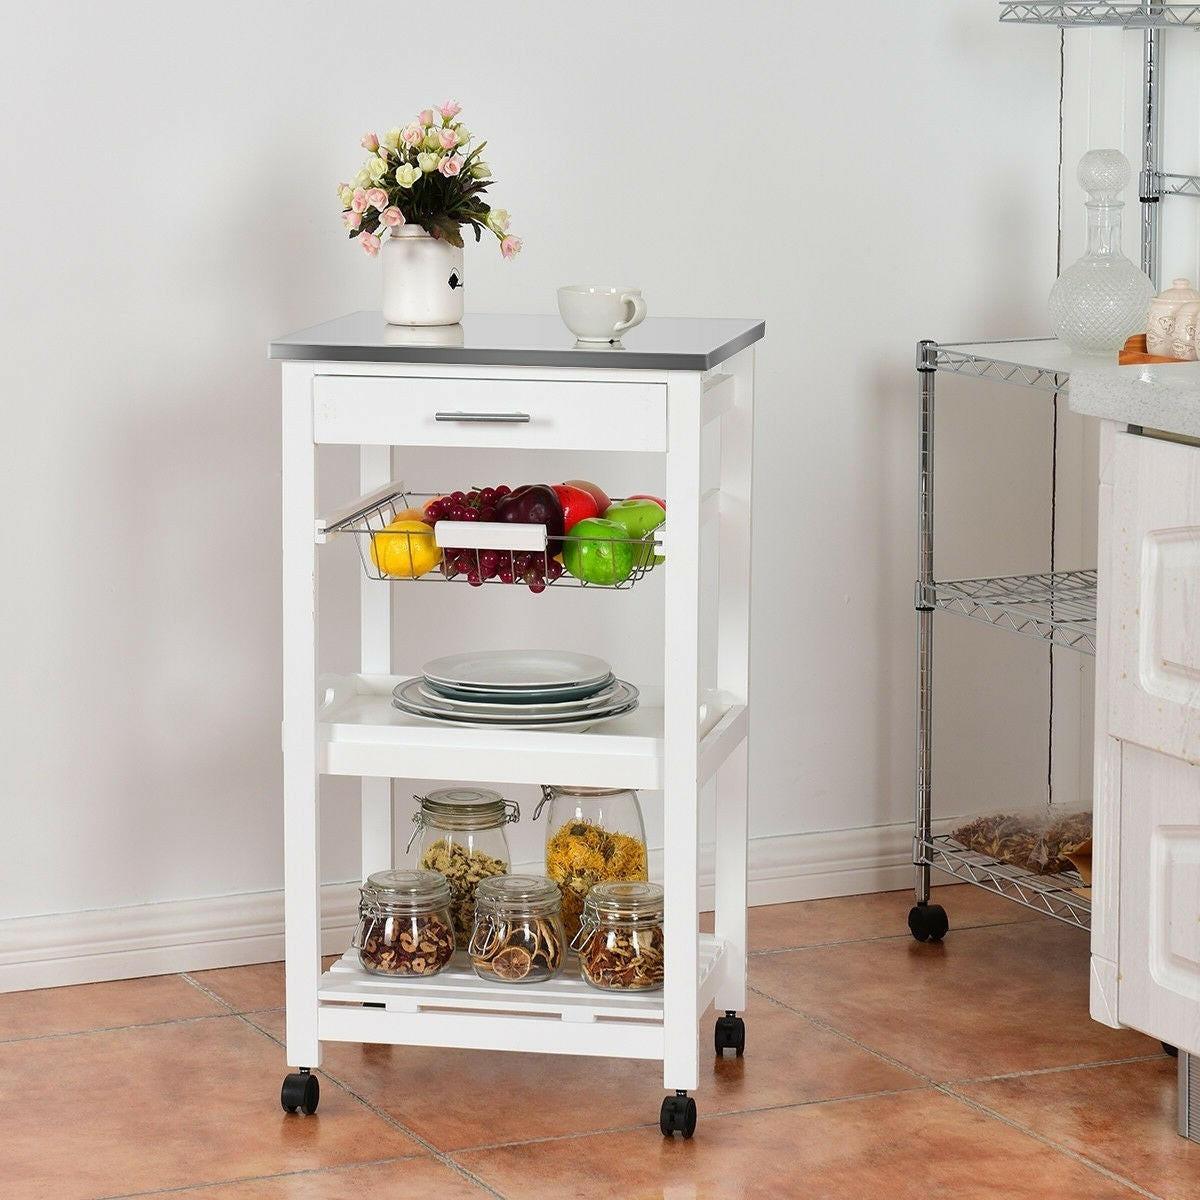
(513, 418)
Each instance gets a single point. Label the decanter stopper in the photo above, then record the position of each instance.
(1102, 299)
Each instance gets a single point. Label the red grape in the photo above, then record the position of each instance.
(536, 586)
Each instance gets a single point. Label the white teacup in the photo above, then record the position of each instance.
(600, 314)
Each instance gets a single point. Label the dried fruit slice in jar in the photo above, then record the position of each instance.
(512, 963)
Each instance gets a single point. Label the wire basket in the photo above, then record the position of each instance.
(479, 552)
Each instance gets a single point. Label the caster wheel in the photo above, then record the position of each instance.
(300, 1093)
(678, 1115)
(928, 922)
(1173, 1051)
(730, 1034)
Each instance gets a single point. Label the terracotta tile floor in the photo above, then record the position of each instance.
(875, 1067)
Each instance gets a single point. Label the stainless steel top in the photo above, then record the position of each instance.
(492, 339)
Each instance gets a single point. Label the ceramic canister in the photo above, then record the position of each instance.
(1183, 339)
(1160, 329)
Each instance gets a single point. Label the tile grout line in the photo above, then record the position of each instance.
(72, 1033)
(1082, 1159)
(945, 1089)
(215, 1183)
(882, 937)
(441, 1156)
(1034, 1071)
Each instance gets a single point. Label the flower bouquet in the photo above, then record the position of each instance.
(423, 182)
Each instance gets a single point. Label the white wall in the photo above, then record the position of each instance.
(861, 176)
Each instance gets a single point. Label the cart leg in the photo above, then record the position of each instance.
(733, 677)
(681, 736)
(302, 901)
(730, 917)
(375, 609)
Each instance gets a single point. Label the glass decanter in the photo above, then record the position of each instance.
(1100, 300)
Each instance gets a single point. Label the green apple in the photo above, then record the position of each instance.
(638, 516)
(598, 551)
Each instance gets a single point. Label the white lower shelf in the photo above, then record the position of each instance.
(361, 733)
(457, 1008)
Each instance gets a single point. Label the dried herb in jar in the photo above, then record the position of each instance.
(624, 959)
(463, 870)
(518, 951)
(580, 854)
(420, 944)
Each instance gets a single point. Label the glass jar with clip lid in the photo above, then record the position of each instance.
(404, 923)
(620, 940)
(461, 836)
(593, 835)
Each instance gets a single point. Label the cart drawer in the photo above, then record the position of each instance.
(503, 413)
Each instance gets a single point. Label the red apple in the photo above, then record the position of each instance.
(646, 496)
(597, 492)
(577, 504)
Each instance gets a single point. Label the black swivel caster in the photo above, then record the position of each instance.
(678, 1115)
(300, 1092)
(1173, 1051)
(730, 1034)
(928, 922)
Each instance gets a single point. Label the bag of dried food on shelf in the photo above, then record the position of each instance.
(1050, 840)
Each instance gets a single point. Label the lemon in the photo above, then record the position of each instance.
(405, 549)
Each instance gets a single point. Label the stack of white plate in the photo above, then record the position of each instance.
(517, 689)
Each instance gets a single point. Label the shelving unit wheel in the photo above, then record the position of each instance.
(300, 1092)
(678, 1115)
(730, 1034)
(928, 922)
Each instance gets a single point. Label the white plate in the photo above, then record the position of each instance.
(531, 696)
(517, 670)
(501, 706)
(407, 697)
(571, 726)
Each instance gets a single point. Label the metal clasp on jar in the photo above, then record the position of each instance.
(584, 934)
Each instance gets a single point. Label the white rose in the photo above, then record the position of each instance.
(428, 162)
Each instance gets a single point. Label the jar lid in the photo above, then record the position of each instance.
(623, 902)
(466, 808)
(514, 894)
(406, 891)
(1180, 292)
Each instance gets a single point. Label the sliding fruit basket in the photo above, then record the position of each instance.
(479, 552)
(520, 383)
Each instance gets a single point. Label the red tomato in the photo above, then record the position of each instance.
(577, 504)
(597, 492)
(646, 496)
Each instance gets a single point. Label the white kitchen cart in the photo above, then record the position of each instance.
(521, 383)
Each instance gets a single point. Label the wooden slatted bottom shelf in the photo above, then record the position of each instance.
(563, 1015)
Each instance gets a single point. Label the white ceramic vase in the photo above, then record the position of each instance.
(422, 279)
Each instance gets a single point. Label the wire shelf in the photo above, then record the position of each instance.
(1137, 15)
(966, 359)
(1065, 897)
(494, 552)
(1057, 607)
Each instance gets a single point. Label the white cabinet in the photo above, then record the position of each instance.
(1146, 938)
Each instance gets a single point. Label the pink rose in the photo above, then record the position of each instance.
(392, 216)
(377, 198)
(413, 134)
(425, 116)
(370, 243)
(449, 109)
(511, 246)
(353, 220)
(448, 138)
(359, 203)
(370, 142)
(450, 165)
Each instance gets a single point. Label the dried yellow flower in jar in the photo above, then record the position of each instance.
(580, 854)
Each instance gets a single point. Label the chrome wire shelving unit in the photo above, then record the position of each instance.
(1058, 607)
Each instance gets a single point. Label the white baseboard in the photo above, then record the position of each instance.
(224, 931)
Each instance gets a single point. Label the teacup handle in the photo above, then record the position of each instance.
(639, 313)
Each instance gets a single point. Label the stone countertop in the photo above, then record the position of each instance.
(493, 339)
(1164, 396)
